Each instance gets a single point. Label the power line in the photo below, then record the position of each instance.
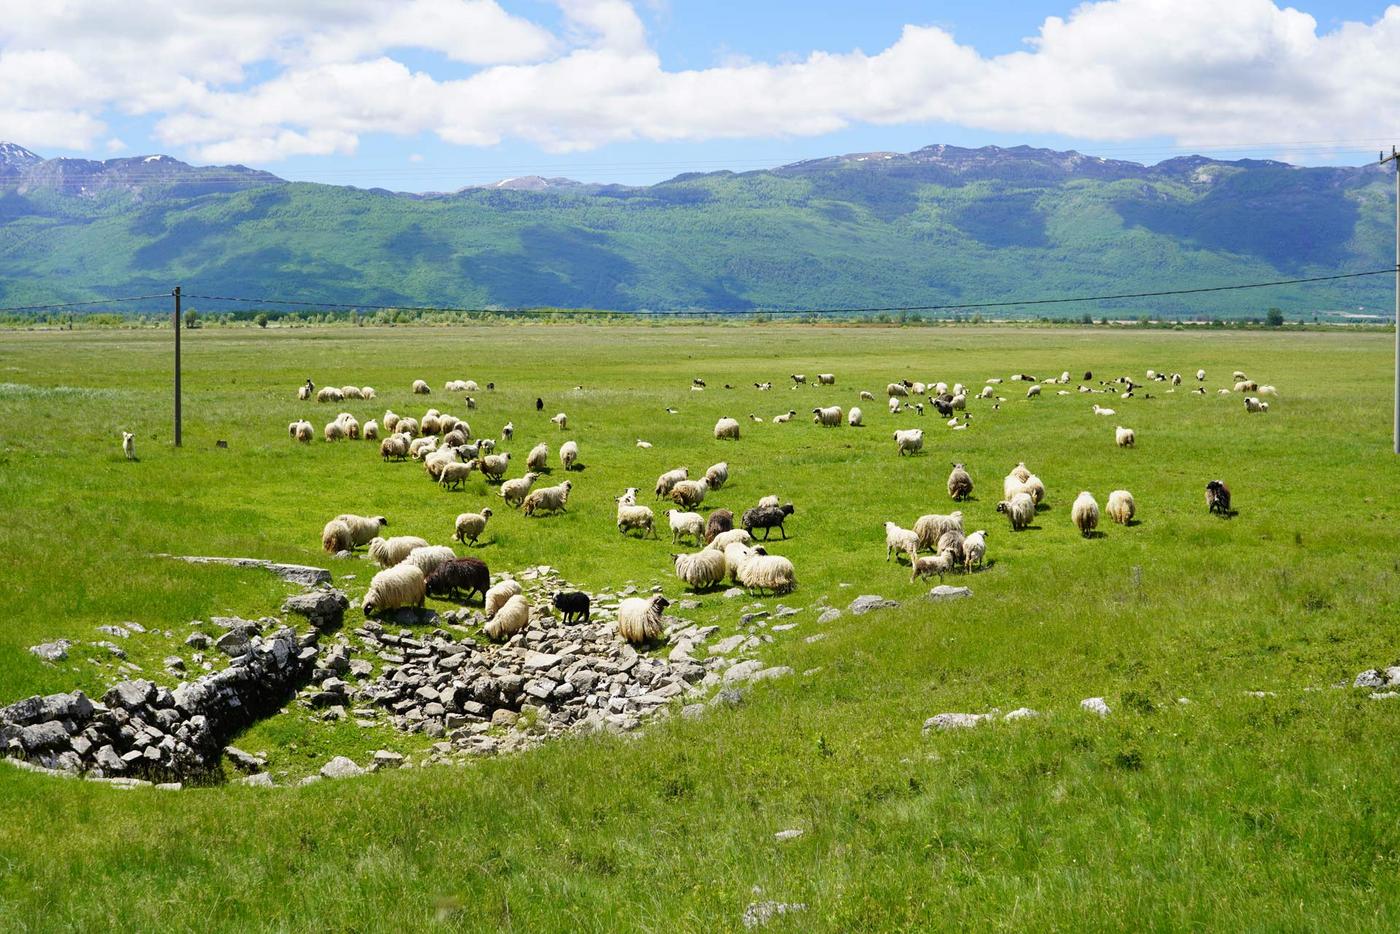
(101, 301)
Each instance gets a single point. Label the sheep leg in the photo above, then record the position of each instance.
(784, 531)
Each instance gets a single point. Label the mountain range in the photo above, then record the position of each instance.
(938, 226)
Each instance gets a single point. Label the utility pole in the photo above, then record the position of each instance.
(1395, 158)
(177, 366)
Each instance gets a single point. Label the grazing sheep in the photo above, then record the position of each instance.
(510, 619)
(951, 541)
(1085, 513)
(1218, 497)
(1255, 404)
(930, 528)
(900, 540)
(727, 429)
(547, 499)
(639, 618)
(828, 417)
(734, 553)
(826, 379)
(1035, 488)
(798, 379)
(454, 385)
(685, 523)
(129, 445)
(909, 441)
(420, 388)
(494, 466)
(562, 421)
(669, 479)
(1246, 385)
(458, 579)
(1020, 509)
(1268, 391)
(1121, 507)
(329, 394)
(770, 500)
(568, 454)
(574, 604)
(689, 493)
(470, 525)
(367, 392)
(454, 474)
(371, 430)
(305, 432)
(497, 596)
(398, 586)
(896, 390)
(700, 570)
(394, 446)
(718, 475)
(538, 458)
(766, 518)
(728, 537)
(350, 424)
(363, 529)
(334, 431)
(429, 558)
(336, 536)
(986, 393)
(720, 521)
(855, 418)
(387, 552)
(1125, 437)
(1033, 391)
(974, 550)
(867, 396)
(631, 516)
(785, 417)
(763, 572)
(351, 392)
(959, 483)
(929, 565)
(1200, 375)
(507, 431)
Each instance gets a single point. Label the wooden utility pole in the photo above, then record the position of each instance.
(1395, 158)
(176, 293)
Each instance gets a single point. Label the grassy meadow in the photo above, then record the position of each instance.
(1230, 812)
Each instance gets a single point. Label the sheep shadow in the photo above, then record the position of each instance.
(1093, 534)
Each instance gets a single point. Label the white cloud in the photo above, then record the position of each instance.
(258, 80)
(415, 157)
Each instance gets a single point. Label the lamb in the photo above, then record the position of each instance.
(866, 396)
(510, 619)
(727, 429)
(639, 619)
(371, 430)
(894, 405)
(394, 446)
(363, 529)
(723, 540)
(931, 527)
(562, 421)
(387, 552)
(470, 525)
(394, 587)
(1255, 404)
(766, 518)
(574, 604)
(538, 458)
(718, 475)
(420, 388)
(329, 394)
(1218, 497)
(547, 499)
(1100, 410)
(685, 523)
(568, 454)
(1085, 513)
(669, 479)
(828, 417)
(1125, 437)
(785, 417)
(772, 573)
(497, 596)
(129, 445)
(336, 536)
(1121, 507)
(631, 516)
(909, 441)
(929, 565)
(494, 465)
(855, 418)
(826, 379)
(700, 570)
(959, 482)
(689, 493)
(455, 473)
(429, 558)
(720, 521)
(900, 540)
(458, 579)
(1020, 509)
(507, 431)
(974, 550)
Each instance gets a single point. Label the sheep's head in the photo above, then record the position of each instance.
(788, 509)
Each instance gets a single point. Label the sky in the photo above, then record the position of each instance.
(432, 95)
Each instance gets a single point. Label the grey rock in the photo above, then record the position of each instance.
(768, 674)
(295, 573)
(733, 593)
(258, 780)
(116, 631)
(946, 592)
(341, 767)
(814, 637)
(725, 646)
(1095, 705)
(198, 640)
(867, 602)
(742, 671)
(130, 694)
(829, 615)
(234, 642)
(693, 711)
(1371, 678)
(758, 914)
(108, 760)
(325, 609)
(175, 663)
(43, 736)
(782, 836)
(245, 761)
(727, 698)
(955, 721)
(1021, 713)
(115, 650)
(386, 759)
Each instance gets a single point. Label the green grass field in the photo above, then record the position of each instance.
(1231, 812)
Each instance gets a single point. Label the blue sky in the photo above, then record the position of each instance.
(436, 94)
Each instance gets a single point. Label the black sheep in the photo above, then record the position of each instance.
(459, 576)
(1218, 497)
(539, 405)
(721, 520)
(767, 518)
(574, 604)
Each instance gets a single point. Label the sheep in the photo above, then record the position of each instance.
(1121, 507)
(510, 619)
(429, 558)
(1200, 375)
(394, 587)
(435, 461)
(394, 446)
(1100, 410)
(894, 405)
(1268, 391)
(669, 479)
(494, 465)
(407, 426)
(420, 388)
(538, 458)
(1085, 513)
(718, 475)
(763, 387)
(458, 579)
(547, 499)
(727, 429)
(855, 418)
(986, 393)
(1035, 488)
(305, 390)
(1125, 437)
(734, 553)
(334, 431)
(643, 444)
(959, 482)
(769, 500)
(562, 421)
(909, 441)
(826, 379)
(723, 540)
(798, 379)
(454, 439)
(507, 431)
(390, 421)
(700, 570)
(336, 536)
(896, 390)
(766, 518)
(431, 424)
(929, 565)
(1020, 472)
(974, 550)
(574, 604)
(1218, 498)
(350, 425)
(900, 540)
(828, 417)
(639, 618)
(454, 474)
(866, 396)
(720, 521)
(568, 454)
(1020, 509)
(451, 424)
(785, 417)
(1033, 391)
(454, 385)
(685, 523)
(1246, 385)
(329, 394)
(351, 392)
(305, 432)
(951, 541)
(371, 430)
(387, 552)
(497, 596)
(469, 525)
(631, 516)
(1255, 404)
(689, 493)
(772, 573)
(363, 529)
(367, 392)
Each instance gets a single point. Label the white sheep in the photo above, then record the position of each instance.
(900, 540)
(497, 596)
(420, 388)
(1246, 385)
(986, 393)
(643, 444)
(1020, 509)
(734, 553)
(909, 441)
(894, 405)
(336, 536)
(511, 618)
(428, 558)
(351, 392)
(455, 473)
(367, 392)
(1020, 472)
(494, 465)
(390, 421)
(547, 499)
(435, 461)
(1033, 391)
(469, 526)
(866, 396)
(1268, 391)
(826, 379)
(974, 549)
(568, 454)
(1100, 410)
(305, 431)
(363, 529)
(1255, 404)
(771, 500)
(718, 475)
(513, 491)
(764, 572)
(407, 426)
(398, 586)
(631, 516)
(1125, 437)
(507, 431)
(727, 429)
(335, 431)
(959, 482)
(387, 552)
(394, 446)
(731, 537)
(930, 528)
(1085, 513)
(896, 390)
(1200, 375)
(929, 565)
(639, 618)
(371, 430)
(855, 418)
(689, 493)
(784, 418)
(562, 421)
(1121, 507)
(700, 570)
(669, 479)
(304, 390)
(828, 416)
(686, 523)
(329, 394)
(538, 458)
